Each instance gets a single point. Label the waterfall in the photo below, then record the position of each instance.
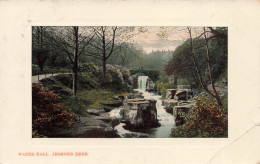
(142, 80)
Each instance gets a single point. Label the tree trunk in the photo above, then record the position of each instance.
(210, 73)
(41, 39)
(175, 80)
(41, 67)
(104, 72)
(203, 85)
(75, 79)
(75, 62)
(41, 56)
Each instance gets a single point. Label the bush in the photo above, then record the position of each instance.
(118, 78)
(88, 81)
(206, 120)
(48, 115)
(65, 79)
(77, 104)
(88, 67)
(85, 80)
(161, 87)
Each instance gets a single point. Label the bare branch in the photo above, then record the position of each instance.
(85, 45)
(113, 43)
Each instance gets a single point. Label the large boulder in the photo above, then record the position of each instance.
(101, 126)
(95, 112)
(170, 93)
(169, 104)
(140, 113)
(182, 112)
(135, 135)
(135, 95)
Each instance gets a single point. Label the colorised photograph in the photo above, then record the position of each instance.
(129, 82)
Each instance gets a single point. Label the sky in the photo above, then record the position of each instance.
(151, 40)
(160, 38)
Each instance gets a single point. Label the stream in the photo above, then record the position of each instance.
(165, 119)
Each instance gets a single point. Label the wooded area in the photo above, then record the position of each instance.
(95, 64)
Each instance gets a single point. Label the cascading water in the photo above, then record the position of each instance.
(165, 119)
(142, 80)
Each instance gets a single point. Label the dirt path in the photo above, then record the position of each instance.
(37, 78)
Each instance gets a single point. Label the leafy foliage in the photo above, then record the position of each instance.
(162, 87)
(118, 78)
(206, 120)
(182, 65)
(48, 115)
(85, 80)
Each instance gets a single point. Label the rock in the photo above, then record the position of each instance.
(116, 98)
(169, 104)
(223, 94)
(181, 113)
(135, 95)
(109, 107)
(95, 112)
(135, 135)
(184, 108)
(105, 119)
(109, 129)
(92, 127)
(140, 113)
(170, 93)
(95, 127)
(115, 122)
(97, 132)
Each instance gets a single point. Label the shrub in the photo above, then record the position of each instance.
(88, 67)
(85, 80)
(48, 115)
(65, 79)
(161, 88)
(118, 78)
(206, 120)
(88, 81)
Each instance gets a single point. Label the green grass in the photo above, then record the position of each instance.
(97, 97)
(85, 99)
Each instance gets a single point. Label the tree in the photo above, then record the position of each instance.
(181, 65)
(109, 41)
(38, 48)
(72, 42)
(203, 52)
(207, 39)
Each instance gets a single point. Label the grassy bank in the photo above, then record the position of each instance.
(85, 99)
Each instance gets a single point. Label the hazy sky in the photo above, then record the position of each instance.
(151, 40)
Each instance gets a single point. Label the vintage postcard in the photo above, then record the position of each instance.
(129, 82)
